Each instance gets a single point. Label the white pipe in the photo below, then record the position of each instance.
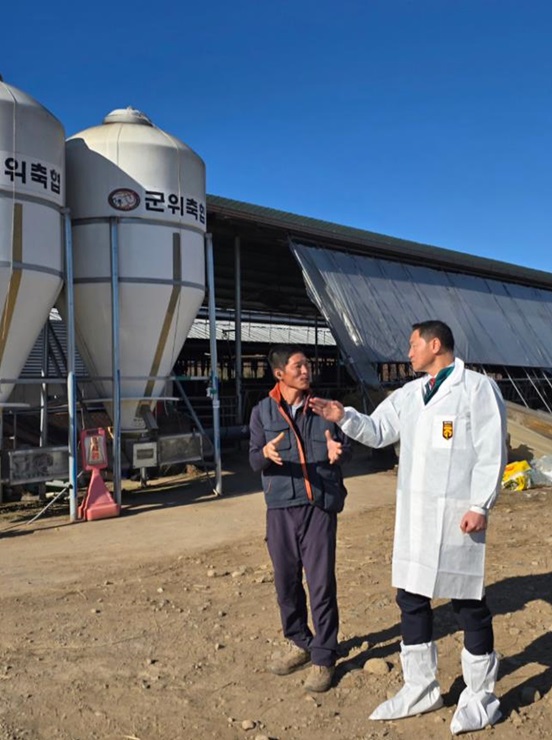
(238, 331)
(214, 389)
(71, 380)
(43, 386)
(115, 359)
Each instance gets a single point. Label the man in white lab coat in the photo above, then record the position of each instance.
(452, 428)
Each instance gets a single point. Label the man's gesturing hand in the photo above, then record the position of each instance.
(334, 448)
(270, 450)
(330, 410)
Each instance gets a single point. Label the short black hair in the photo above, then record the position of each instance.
(279, 355)
(436, 330)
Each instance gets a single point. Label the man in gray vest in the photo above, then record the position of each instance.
(299, 455)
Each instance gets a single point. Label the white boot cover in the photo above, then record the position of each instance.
(477, 705)
(420, 692)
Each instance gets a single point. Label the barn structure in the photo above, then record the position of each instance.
(273, 267)
(349, 297)
(172, 298)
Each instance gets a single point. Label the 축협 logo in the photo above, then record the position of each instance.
(123, 199)
(448, 429)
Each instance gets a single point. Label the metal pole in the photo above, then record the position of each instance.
(535, 386)
(1, 450)
(545, 376)
(512, 381)
(190, 408)
(316, 362)
(44, 386)
(214, 389)
(44, 400)
(71, 380)
(115, 359)
(238, 334)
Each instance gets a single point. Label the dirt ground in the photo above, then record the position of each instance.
(158, 625)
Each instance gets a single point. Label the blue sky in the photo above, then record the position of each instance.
(429, 120)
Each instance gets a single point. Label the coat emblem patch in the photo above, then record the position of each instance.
(448, 429)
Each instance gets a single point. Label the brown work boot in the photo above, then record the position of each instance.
(319, 678)
(289, 661)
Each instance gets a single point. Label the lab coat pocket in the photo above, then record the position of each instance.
(451, 512)
(461, 556)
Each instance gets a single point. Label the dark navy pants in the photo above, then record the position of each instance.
(473, 617)
(304, 538)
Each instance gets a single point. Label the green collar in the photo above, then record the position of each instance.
(441, 376)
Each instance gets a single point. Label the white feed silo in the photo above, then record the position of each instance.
(153, 185)
(32, 174)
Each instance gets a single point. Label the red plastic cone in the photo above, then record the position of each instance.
(98, 503)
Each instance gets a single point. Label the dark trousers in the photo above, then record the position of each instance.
(473, 617)
(304, 538)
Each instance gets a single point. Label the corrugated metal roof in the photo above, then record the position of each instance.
(252, 331)
(369, 242)
(371, 305)
(264, 333)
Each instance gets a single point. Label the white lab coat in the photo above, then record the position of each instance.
(452, 454)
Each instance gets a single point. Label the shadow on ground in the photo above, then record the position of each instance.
(505, 597)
